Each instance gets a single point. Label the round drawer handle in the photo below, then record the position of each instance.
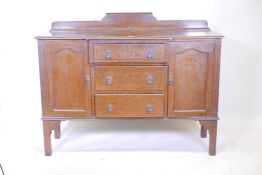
(110, 108)
(149, 108)
(149, 80)
(109, 80)
(150, 55)
(108, 55)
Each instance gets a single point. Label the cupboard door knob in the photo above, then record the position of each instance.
(149, 80)
(149, 108)
(108, 55)
(110, 108)
(150, 55)
(109, 80)
(170, 80)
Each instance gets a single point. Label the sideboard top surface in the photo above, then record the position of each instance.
(132, 26)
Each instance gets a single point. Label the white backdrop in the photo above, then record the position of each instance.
(20, 107)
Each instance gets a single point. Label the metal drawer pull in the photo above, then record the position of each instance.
(149, 108)
(150, 55)
(109, 80)
(87, 77)
(149, 80)
(170, 80)
(108, 55)
(110, 108)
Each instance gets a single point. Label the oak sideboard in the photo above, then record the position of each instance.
(129, 66)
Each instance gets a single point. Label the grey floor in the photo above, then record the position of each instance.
(111, 147)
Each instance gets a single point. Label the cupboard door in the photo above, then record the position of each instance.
(191, 78)
(65, 78)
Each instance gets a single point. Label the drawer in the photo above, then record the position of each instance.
(130, 78)
(129, 105)
(131, 52)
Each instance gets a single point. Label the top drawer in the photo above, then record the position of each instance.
(114, 51)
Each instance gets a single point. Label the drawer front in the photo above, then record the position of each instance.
(130, 78)
(128, 52)
(129, 105)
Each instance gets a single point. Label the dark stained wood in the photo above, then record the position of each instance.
(48, 127)
(134, 20)
(124, 105)
(217, 51)
(64, 68)
(191, 68)
(130, 78)
(194, 118)
(203, 132)
(128, 24)
(47, 138)
(57, 132)
(211, 126)
(127, 51)
(130, 66)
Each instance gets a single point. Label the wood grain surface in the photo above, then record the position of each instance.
(130, 66)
